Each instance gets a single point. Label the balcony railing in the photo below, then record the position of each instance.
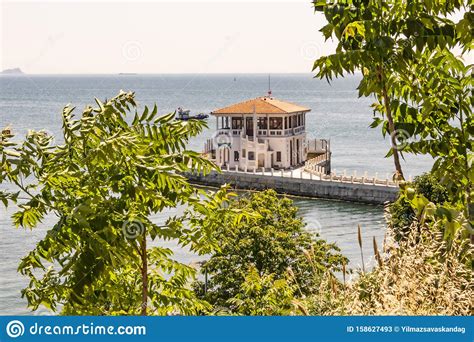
(264, 132)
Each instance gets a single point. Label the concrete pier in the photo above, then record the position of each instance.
(300, 183)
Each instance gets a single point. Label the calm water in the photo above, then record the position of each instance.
(35, 102)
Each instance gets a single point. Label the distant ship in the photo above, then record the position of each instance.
(182, 114)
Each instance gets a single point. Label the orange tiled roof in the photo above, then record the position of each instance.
(262, 105)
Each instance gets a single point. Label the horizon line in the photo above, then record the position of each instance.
(161, 73)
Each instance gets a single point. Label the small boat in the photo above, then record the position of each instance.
(201, 116)
(182, 114)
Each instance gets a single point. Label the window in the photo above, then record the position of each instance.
(237, 123)
(286, 122)
(251, 155)
(243, 153)
(236, 155)
(249, 126)
(276, 123)
(278, 156)
(262, 123)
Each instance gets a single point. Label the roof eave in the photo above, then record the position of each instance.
(249, 113)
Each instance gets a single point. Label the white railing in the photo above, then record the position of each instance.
(276, 132)
(317, 174)
(298, 130)
(344, 177)
(316, 161)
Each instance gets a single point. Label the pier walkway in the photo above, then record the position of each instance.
(306, 181)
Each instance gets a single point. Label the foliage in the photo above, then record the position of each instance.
(444, 121)
(384, 40)
(400, 216)
(449, 219)
(262, 295)
(417, 276)
(424, 97)
(417, 202)
(273, 243)
(103, 184)
(444, 125)
(423, 93)
(401, 213)
(430, 187)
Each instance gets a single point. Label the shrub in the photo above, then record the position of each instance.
(274, 245)
(431, 188)
(401, 213)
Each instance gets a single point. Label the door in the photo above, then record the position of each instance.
(261, 160)
(225, 156)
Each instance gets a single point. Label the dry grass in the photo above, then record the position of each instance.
(417, 277)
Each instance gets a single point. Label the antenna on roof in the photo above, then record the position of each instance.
(269, 87)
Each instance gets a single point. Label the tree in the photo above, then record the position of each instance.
(424, 93)
(259, 256)
(103, 183)
(383, 39)
(441, 87)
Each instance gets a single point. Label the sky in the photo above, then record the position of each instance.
(161, 36)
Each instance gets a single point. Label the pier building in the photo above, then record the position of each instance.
(263, 132)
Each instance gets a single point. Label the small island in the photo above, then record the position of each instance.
(14, 71)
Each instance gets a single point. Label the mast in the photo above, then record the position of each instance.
(269, 86)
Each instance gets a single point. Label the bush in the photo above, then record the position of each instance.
(430, 187)
(402, 215)
(274, 245)
(263, 295)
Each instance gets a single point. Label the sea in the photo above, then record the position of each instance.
(337, 113)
